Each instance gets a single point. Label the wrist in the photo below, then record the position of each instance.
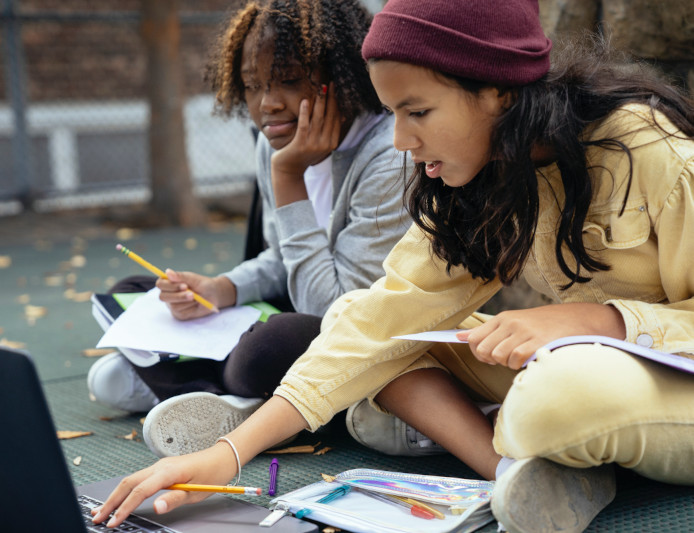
(226, 291)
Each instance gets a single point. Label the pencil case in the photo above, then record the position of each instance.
(464, 503)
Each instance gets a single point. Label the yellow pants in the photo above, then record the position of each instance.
(585, 405)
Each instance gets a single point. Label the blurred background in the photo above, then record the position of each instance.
(103, 102)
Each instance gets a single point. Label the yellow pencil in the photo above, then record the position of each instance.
(216, 488)
(159, 272)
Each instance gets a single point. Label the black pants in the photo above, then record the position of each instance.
(254, 367)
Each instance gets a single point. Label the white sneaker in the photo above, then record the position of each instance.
(112, 381)
(386, 433)
(191, 422)
(537, 496)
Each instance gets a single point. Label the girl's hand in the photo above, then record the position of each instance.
(176, 293)
(512, 337)
(206, 467)
(317, 135)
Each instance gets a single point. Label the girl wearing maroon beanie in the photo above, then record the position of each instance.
(577, 176)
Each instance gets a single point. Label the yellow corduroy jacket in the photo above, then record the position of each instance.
(650, 248)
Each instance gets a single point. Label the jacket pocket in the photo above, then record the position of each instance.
(609, 229)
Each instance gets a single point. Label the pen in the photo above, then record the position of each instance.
(337, 493)
(415, 508)
(191, 487)
(274, 465)
(159, 272)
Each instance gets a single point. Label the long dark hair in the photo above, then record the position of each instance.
(320, 34)
(488, 225)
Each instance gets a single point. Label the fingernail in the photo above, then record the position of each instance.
(96, 516)
(112, 522)
(160, 506)
(324, 89)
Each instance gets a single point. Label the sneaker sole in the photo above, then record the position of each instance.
(191, 422)
(537, 496)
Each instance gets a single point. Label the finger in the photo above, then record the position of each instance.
(319, 111)
(175, 498)
(302, 125)
(140, 492)
(521, 354)
(166, 286)
(118, 495)
(463, 335)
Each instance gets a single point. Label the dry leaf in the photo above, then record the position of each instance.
(69, 434)
(70, 294)
(53, 280)
(78, 261)
(96, 352)
(323, 450)
(142, 420)
(125, 234)
(130, 436)
(12, 344)
(77, 460)
(5, 261)
(328, 478)
(35, 311)
(191, 243)
(331, 529)
(306, 448)
(23, 299)
(106, 418)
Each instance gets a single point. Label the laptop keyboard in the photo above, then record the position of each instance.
(132, 524)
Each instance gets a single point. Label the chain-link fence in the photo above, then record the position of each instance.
(73, 112)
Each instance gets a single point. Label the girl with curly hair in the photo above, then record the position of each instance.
(332, 208)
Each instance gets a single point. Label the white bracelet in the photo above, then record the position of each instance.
(236, 454)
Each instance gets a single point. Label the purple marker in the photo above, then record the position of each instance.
(274, 465)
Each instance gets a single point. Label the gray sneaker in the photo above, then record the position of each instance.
(386, 433)
(112, 381)
(537, 495)
(194, 421)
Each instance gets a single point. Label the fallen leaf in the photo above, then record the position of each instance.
(142, 420)
(106, 418)
(53, 280)
(323, 450)
(85, 296)
(328, 478)
(69, 325)
(12, 344)
(306, 448)
(331, 529)
(69, 434)
(77, 460)
(23, 299)
(5, 261)
(191, 243)
(96, 352)
(130, 436)
(78, 261)
(125, 234)
(35, 311)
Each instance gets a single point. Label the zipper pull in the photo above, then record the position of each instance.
(280, 510)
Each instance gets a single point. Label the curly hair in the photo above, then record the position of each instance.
(488, 225)
(324, 35)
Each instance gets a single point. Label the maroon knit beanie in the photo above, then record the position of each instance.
(495, 41)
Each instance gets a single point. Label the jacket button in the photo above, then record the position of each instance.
(644, 340)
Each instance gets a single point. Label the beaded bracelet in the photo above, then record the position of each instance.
(236, 454)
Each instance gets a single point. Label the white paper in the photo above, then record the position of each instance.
(447, 335)
(148, 325)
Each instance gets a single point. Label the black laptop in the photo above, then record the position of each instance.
(38, 494)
